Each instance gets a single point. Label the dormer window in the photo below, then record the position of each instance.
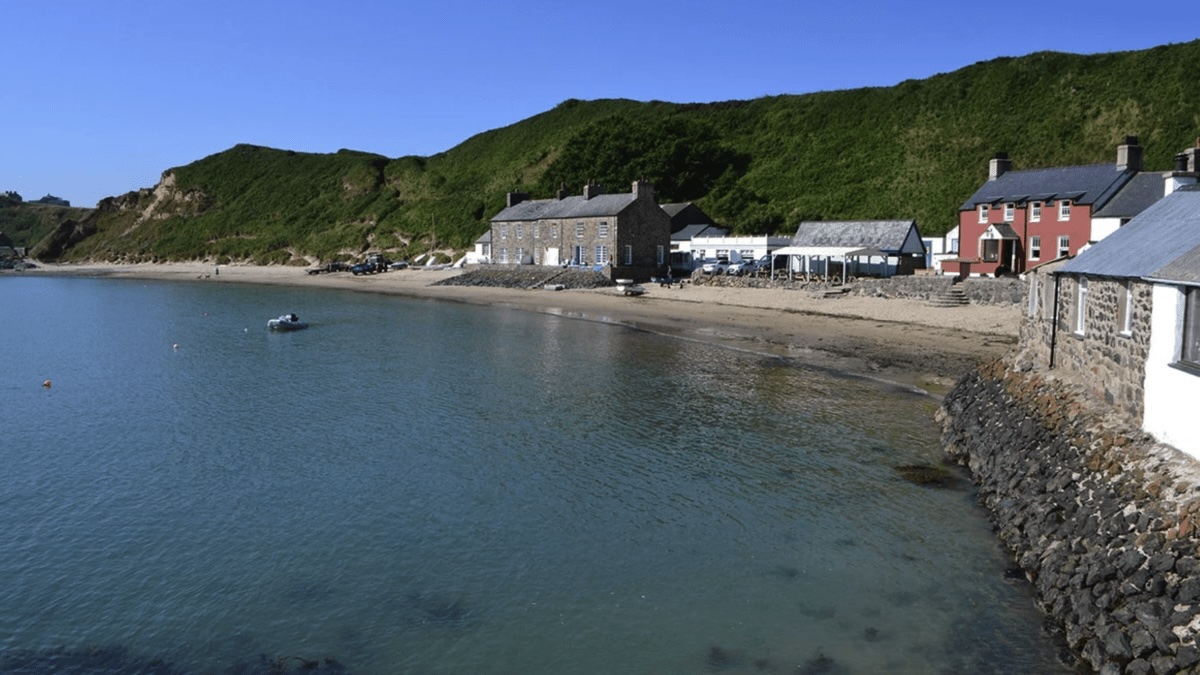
(1064, 209)
(1035, 212)
(1009, 212)
(983, 213)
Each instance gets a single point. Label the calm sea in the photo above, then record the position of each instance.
(420, 487)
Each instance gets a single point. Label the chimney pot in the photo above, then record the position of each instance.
(999, 165)
(1129, 155)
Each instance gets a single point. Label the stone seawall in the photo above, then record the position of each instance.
(979, 291)
(1102, 519)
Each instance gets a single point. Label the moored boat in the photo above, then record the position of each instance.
(286, 322)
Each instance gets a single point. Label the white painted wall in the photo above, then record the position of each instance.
(1171, 393)
(1102, 227)
(755, 246)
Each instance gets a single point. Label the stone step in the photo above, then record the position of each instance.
(951, 297)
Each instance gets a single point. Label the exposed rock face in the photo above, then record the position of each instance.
(1100, 517)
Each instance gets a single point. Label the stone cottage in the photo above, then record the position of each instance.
(627, 233)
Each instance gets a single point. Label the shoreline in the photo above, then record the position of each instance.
(896, 340)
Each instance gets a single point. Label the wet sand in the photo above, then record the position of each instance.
(907, 341)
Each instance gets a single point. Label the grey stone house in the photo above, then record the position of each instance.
(1123, 317)
(869, 247)
(626, 233)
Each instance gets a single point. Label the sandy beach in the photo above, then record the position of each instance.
(906, 341)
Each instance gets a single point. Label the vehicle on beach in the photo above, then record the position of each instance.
(330, 267)
(374, 264)
(399, 265)
(286, 322)
(715, 266)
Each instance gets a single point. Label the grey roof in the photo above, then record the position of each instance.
(1136, 196)
(698, 230)
(674, 209)
(1159, 243)
(1004, 230)
(885, 235)
(569, 207)
(1093, 184)
(485, 238)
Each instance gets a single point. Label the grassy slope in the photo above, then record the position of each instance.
(917, 149)
(27, 223)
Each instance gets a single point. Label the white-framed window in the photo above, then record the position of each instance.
(628, 254)
(747, 254)
(536, 231)
(990, 250)
(520, 230)
(504, 231)
(601, 255)
(1010, 211)
(954, 245)
(1064, 209)
(983, 213)
(554, 231)
(1064, 246)
(660, 255)
(1189, 352)
(1035, 212)
(503, 255)
(602, 230)
(578, 258)
(1035, 247)
(520, 256)
(1081, 307)
(579, 230)
(1125, 308)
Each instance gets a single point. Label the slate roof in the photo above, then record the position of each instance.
(1136, 196)
(485, 238)
(1163, 242)
(1093, 184)
(569, 207)
(674, 209)
(700, 230)
(885, 235)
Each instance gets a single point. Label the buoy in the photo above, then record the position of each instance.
(47, 384)
(175, 346)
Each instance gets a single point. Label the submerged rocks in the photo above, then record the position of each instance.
(1097, 515)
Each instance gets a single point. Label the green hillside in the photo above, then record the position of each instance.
(27, 223)
(917, 149)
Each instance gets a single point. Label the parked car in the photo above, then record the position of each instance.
(714, 266)
(743, 266)
(374, 263)
(399, 265)
(330, 267)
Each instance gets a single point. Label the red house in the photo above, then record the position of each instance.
(1020, 219)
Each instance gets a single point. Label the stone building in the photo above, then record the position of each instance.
(1123, 318)
(628, 232)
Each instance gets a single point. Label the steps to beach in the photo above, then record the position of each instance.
(951, 297)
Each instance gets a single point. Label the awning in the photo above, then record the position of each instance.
(829, 251)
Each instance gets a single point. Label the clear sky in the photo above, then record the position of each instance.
(100, 97)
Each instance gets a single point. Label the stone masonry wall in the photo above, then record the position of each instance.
(1109, 363)
(916, 287)
(1102, 520)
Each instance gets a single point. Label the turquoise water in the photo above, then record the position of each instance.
(421, 487)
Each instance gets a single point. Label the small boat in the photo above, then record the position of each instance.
(286, 322)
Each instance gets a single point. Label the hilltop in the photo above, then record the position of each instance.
(914, 150)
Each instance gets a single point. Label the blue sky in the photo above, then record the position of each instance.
(100, 97)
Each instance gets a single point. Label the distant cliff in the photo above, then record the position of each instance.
(914, 150)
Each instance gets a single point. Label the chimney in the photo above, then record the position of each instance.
(1129, 154)
(515, 198)
(1184, 172)
(643, 188)
(999, 165)
(562, 191)
(592, 190)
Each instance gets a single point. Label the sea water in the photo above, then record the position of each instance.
(412, 486)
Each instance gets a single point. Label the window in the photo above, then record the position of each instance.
(1035, 212)
(628, 254)
(578, 258)
(602, 231)
(1064, 209)
(520, 230)
(520, 256)
(954, 245)
(991, 250)
(1125, 308)
(1190, 351)
(503, 255)
(554, 231)
(1064, 246)
(601, 255)
(660, 255)
(536, 230)
(579, 230)
(983, 213)
(1081, 307)
(1009, 212)
(1035, 247)
(504, 232)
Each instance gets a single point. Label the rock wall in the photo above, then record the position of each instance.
(1101, 518)
(981, 291)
